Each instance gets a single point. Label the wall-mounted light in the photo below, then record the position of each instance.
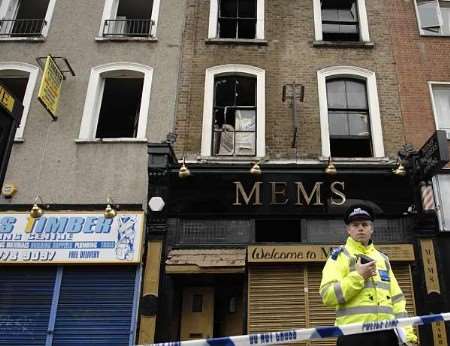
(256, 169)
(400, 169)
(36, 211)
(109, 212)
(331, 168)
(9, 190)
(184, 171)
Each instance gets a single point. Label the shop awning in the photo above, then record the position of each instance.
(204, 261)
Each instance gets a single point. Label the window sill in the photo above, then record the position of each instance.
(343, 44)
(21, 39)
(229, 159)
(111, 140)
(363, 160)
(255, 42)
(126, 38)
(19, 140)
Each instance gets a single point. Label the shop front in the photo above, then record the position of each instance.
(70, 278)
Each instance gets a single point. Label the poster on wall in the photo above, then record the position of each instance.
(64, 238)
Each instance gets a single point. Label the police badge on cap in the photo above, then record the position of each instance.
(358, 212)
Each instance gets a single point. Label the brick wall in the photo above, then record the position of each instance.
(419, 59)
(288, 56)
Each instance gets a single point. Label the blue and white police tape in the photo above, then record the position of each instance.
(274, 338)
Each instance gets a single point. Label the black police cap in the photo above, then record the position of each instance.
(358, 212)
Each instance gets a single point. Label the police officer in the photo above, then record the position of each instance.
(358, 281)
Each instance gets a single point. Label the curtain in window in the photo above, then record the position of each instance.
(441, 96)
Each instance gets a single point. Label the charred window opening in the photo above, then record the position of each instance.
(24, 18)
(340, 20)
(268, 231)
(234, 128)
(237, 19)
(133, 18)
(119, 111)
(348, 118)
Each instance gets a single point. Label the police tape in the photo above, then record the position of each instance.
(297, 335)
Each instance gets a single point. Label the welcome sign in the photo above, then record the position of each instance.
(63, 238)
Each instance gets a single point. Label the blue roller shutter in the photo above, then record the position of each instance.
(25, 304)
(95, 306)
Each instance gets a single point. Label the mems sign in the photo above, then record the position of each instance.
(279, 193)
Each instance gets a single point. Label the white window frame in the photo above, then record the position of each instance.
(419, 24)
(433, 104)
(94, 99)
(372, 99)
(362, 16)
(33, 72)
(48, 18)
(110, 12)
(208, 103)
(214, 14)
(441, 200)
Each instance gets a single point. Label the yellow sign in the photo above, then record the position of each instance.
(439, 334)
(429, 266)
(6, 99)
(317, 253)
(50, 88)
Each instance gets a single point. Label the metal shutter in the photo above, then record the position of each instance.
(95, 306)
(318, 313)
(276, 299)
(25, 303)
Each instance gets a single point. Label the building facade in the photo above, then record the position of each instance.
(295, 90)
(73, 273)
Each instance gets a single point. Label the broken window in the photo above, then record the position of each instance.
(348, 118)
(237, 19)
(23, 18)
(340, 20)
(434, 17)
(441, 106)
(129, 18)
(234, 124)
(120, 107)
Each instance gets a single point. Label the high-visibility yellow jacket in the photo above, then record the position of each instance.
(357, 300)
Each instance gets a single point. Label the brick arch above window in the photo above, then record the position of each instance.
(372, 98)
(94, 96)
(21, 70)
(208, 103)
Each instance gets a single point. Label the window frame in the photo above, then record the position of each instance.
(214, 19)
(440, 201)
(433, 104)
(419, 23)
(33, 72)
(208, 105)
(362, 16)
(108, 10)
(48, 18)
(372, 99)
(94, 97)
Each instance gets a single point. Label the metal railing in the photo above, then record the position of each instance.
(22, 27)
(128, 27)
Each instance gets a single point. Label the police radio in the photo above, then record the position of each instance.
(364, 259)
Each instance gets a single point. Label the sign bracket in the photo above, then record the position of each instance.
(59, 60)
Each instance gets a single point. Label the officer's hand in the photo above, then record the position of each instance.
(366, 270)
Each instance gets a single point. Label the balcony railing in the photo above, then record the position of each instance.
(22, 27)
(128, 27)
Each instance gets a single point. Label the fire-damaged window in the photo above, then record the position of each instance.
(119, 112)
(25, 18)
(19, 79)
(348, 118)
(129, 18)
(433, 17)
(340, 20)
(117, 103)
(237, 19)
(234, 116)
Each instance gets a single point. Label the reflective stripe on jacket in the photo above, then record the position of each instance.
(357, 300)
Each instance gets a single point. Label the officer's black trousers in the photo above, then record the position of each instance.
(384, 338)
